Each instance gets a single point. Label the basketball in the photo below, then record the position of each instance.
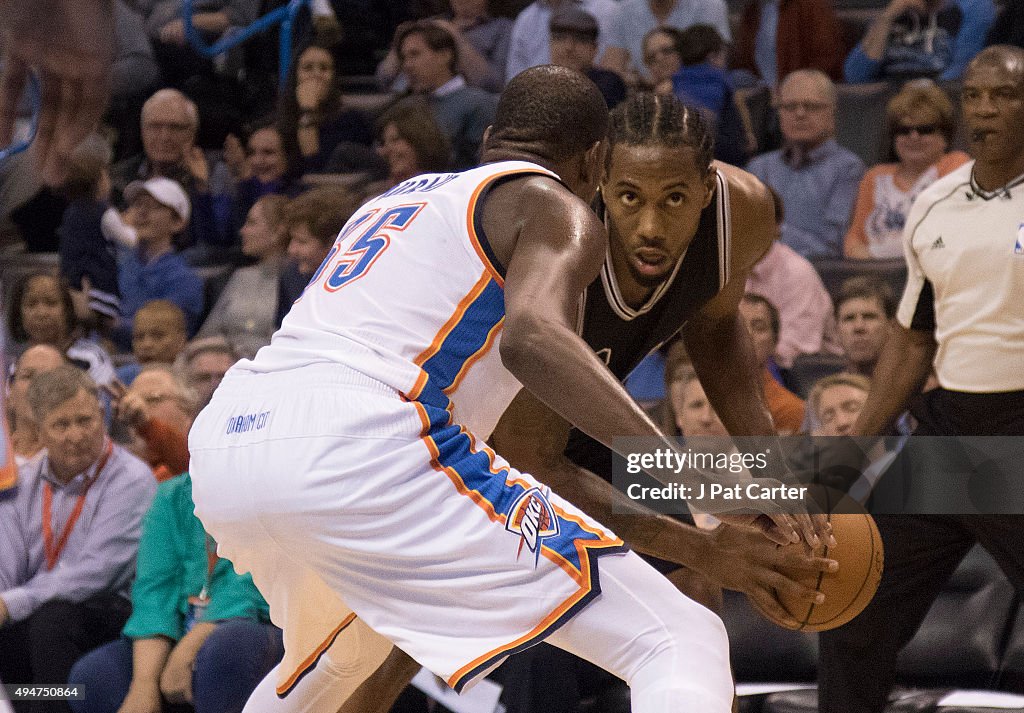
(859, 553)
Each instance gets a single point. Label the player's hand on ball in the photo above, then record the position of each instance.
(744, 560)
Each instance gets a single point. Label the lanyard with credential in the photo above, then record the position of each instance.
(52, 549)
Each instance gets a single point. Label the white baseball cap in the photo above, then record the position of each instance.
(166, 192)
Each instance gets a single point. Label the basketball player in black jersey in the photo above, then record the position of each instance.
(683, 234)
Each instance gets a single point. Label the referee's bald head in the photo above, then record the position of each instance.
(1006, 57)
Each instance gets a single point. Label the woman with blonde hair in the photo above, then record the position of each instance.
(921, 127)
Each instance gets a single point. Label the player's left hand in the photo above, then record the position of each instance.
(70, 44)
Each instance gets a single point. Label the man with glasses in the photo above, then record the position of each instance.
(170, 122)
(70, 533)
(815, 176)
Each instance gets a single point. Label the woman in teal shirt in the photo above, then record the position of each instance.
(199, 633)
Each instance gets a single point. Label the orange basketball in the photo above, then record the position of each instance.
(859, 553)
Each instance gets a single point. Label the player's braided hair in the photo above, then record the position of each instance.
(647, 119)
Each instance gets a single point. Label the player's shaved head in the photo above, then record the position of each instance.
(1006, 57)
(552, 112)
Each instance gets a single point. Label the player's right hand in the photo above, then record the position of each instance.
(745, 561)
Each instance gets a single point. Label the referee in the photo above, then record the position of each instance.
(962, 313)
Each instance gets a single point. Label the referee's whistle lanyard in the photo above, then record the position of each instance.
(53, 549)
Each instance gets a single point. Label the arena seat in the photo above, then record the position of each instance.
(834, 272)
(860, 118)
(808, 368)
(961, 644)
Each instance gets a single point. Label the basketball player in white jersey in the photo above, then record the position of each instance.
(683, 234)
(341, 466)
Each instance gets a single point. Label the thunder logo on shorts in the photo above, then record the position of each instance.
(533, 519)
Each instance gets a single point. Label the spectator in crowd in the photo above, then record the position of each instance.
(835, 403)
(204, 364)
(530, 43)
(88, 259)
(159, 334)
(199, 633)
(70, 535)
(411, 142)
(312, 221)
(265, 171)
(574, 34)
(633, 19)
(691, 411)
(815, 176)
(762, 320)
(178, 60)
(170, 122)
(154, 416)
(158, 210)
(313, 120)
(244, 312)
(865, 309)
(920, 126)
(42, 312)
(482, 41)
(430, 58)
(663, 57)
(702, 81)
(792, 284)
(25, 439)
(777, 37)
(921, 38)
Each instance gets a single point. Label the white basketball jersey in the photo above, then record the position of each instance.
(411, 296)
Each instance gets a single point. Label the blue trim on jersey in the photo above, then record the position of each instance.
(465, 340)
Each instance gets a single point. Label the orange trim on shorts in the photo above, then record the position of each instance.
(474, 239)
(314, 657)
(538, 630)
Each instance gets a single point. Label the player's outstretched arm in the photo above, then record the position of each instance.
(70, 44)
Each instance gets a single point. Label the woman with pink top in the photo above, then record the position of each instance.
(921, 127)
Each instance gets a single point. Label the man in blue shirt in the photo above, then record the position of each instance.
(70, 532)
(158, 210)
(815, 176)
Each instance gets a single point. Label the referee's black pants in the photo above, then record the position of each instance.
(44, 647)
(857, 662)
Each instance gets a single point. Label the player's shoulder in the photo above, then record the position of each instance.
(751, 211)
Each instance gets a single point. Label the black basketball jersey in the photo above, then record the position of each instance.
(623, 336)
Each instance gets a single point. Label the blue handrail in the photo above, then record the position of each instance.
(285, 15)
(36, 104)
